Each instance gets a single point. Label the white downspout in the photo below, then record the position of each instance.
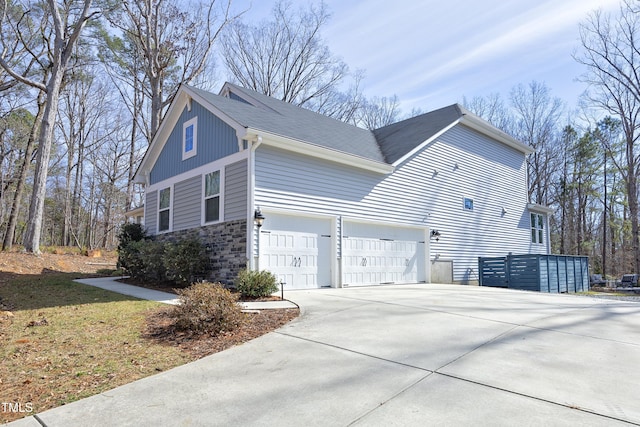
(251, 183)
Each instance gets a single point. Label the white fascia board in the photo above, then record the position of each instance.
(425, 143)
(534, 207)
(182, 99)
(495, 133)
(309, 149)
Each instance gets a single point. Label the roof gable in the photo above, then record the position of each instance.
(297, 128)
(401, 138)
(262, 112)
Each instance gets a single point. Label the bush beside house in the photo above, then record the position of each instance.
(256, 284)
(148, 261)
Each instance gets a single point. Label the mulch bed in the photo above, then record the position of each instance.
(160, 328)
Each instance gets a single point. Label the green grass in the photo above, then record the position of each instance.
(67, 341)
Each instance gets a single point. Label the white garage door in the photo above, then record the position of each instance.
(384, 259)
(298, 255)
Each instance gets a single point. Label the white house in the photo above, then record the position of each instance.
(416, 201)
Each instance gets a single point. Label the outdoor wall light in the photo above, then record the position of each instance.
(258, 218)
(436, 234)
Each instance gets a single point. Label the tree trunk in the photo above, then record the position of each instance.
(24, 171)
(36, 209)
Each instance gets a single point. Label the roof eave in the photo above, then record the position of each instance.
(534, 207)
(425, 143)
(309, 149)
(483, 127)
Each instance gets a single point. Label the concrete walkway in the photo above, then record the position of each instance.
(410, 355)
(112, 284)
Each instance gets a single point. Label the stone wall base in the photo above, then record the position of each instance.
(226, 244)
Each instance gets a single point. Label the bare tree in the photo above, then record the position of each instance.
(285, 58)
(536, 123)
(167, 42)
(492, 109)
(610, 52)
(68, 21)
(378, 112)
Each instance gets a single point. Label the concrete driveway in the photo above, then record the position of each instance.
(402, 355)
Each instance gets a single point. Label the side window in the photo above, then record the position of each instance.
(212, 197)
(537, 228)
(190, 138)
(164, 209)
(468, 204)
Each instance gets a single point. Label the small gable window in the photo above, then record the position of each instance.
(537, 228)
(212, 197)
(468, 204)
(164, 209)
(190, 138)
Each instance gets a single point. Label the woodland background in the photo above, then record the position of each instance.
(84, 85)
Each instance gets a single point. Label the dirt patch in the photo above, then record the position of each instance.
(12, 263)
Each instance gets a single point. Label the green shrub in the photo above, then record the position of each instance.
(142, 260)
(152, 254)
(185, 261)
(130, 233)
(131, 261)
(256, 284)
(207, 308)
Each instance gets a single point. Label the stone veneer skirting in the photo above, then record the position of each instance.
(226, 245)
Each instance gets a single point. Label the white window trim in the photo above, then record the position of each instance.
(220, 195)
(194, 151)
(170, 209)
(538, 229)
(464, 204)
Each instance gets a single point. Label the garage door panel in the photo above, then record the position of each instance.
(371, 260)
(299, 259)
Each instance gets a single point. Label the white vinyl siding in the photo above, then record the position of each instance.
(467, 163)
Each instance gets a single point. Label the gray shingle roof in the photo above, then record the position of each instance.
(400, 138)
(386, 145)
(284, 119)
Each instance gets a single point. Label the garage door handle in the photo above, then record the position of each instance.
(296, 262)
(363, 262)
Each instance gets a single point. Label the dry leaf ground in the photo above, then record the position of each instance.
(62, 341)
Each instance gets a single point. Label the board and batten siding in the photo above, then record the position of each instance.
(235, 191)
(187, 203)
(151, 212)
(427, 189)
(214, 138)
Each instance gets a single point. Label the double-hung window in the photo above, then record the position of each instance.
(190, 138)
(164, 209)
(212, 197)
(537, 228)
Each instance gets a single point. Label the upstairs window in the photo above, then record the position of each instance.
(468, 204)
(190, 138)
(212, 197)
(164, 209)
(537, 228)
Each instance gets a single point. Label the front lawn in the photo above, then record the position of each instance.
(62, 341)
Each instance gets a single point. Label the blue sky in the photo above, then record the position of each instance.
(432, 53)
